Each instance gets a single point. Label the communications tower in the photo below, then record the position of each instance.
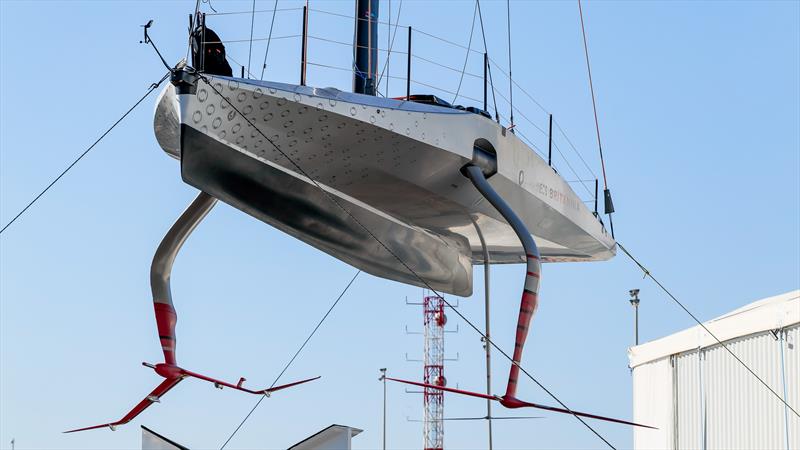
(435, 320)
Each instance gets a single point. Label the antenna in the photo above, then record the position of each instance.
(434, 322)
(147, 40)
(146, 27)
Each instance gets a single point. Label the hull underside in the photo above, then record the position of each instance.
(391, 166)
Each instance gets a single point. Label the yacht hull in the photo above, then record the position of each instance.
(364, 167)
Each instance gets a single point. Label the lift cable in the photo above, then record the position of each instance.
(396, 257)
(293, 358)
(609, 206)
(153, 87)
(647, 273)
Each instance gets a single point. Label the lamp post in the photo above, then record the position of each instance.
(383, 378)
(634, 293)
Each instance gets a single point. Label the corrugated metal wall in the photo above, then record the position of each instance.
(792, 370)
(653, 385)
(741, 412)
(688, 395)
(716, 403)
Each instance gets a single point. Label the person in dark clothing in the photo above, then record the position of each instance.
(211, 61)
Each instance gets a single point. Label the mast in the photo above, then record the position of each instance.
(366, 47)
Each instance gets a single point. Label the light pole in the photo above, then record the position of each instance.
(487, 339)
(634, 293)
(383, 378)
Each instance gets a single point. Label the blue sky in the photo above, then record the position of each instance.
(699, 110)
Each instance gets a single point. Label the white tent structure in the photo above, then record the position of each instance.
(154, 441)
(334, 437)
(699, 396)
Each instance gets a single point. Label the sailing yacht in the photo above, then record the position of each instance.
(410, 189)
(304, 158)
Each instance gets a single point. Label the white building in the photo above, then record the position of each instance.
(335, 437)
(699, 396)
(154, 441)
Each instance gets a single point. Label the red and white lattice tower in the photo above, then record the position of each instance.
(435, 320)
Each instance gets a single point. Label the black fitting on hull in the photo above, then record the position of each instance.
(184, 80)
(484, 159)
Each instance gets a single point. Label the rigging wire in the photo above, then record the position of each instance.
(269, 39)
(354, 69)
(258, 11)
(585, 164)
(252, 24)
(394, 255)
(153, 87)
(344, 69)
(647, 273)
(239, 41)
(542, 131)
(191, 28)
(240, 64)
(591, 89)
(209, 5)
(396, 25)
(445, 66)
(388, 55)
(572, 169)
(334, 41)
(519, 86)
(510, 78)
(546, 111)
(489, 68)
(447, 41)
(466, 58)
(596, 122)
(389, 50)
(293, 358)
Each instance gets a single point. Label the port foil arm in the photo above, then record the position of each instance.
(154, 397)
(166, 317)
(239, 386)
(161, 271)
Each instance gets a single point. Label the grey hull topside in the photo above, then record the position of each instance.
(349, 168)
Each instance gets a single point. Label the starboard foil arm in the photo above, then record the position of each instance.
(519, 403)
(530, 289)
(484, 165)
